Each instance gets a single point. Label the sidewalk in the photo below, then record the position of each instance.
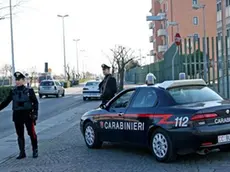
(46, 130)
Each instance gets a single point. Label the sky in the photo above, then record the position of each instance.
(99, 24)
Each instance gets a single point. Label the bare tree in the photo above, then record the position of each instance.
(68, 72)
(32, 75)
(4, 7)
(6, 71)
(73, 72)
(122, 56)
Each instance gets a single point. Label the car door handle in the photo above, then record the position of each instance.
(121, 114)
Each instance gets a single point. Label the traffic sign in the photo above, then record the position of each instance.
(178, 39)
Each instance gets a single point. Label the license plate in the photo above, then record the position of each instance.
(224, 138)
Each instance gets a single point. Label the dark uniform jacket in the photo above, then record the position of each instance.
(30, 104)
(108, 87)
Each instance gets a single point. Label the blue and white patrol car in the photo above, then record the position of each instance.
(171, 118)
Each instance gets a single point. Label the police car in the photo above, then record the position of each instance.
(171, 118)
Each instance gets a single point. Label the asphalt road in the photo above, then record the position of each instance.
(68, 153)
(48, 107)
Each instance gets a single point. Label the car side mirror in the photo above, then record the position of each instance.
(62, 84)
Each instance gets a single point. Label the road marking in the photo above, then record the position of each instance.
(66, 97)
(76, 97)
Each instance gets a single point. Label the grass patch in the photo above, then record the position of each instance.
(84, 80)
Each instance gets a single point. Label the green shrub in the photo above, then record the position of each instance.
(66, 84)
(4, 92)
(83, 80)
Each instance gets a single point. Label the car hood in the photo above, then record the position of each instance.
(94, 112)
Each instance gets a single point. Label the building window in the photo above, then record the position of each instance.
(219, 35)
(227, 3)
(166, 6)
(228, 37)
(195, 20)
(194, 2)
(218, 6)
(195, 37)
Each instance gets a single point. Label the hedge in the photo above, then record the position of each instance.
(4, 92)
(67, 84)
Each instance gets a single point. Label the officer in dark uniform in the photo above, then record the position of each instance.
(108, 86)
(25, 112)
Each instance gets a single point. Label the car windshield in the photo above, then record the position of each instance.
(92, 84)
(47, 83)
(193, 94)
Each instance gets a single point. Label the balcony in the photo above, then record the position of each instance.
(151, 39)
(162, 48)
(162, 32)
(151, 25)
(162, 16)
(152, 53)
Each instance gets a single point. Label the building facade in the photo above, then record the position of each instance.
(223, 25)
(180, 16)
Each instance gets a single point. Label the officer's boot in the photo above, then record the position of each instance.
(21, 144)
(34, 143)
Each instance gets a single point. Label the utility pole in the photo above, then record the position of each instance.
(197, 7)
(77, 40)
(12, 43)
(63, 27)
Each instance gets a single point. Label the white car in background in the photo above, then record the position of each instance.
(91, 90)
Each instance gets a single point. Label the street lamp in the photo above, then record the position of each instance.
(76, 40)
(197, 7)
(63, 26)
(12, 43)
(82, 51)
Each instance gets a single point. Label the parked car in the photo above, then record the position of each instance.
(171, 118)
(91, 90)
(51, 87)
(97, 79)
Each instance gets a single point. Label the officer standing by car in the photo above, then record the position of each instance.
(108, 87)
(25, 112)
(150, 77)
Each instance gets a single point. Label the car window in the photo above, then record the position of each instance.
(57, 83)
(146, 97)
(92, 84)
(47, 83)
(123, 101)
(193, 94)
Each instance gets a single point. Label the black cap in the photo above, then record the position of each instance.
(19, 75)
(104, 66)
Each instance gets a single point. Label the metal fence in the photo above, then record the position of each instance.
(190, 60)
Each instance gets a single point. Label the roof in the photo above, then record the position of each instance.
(179, 83)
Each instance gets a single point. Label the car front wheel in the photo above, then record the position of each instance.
(91, 136)
(162, 146)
